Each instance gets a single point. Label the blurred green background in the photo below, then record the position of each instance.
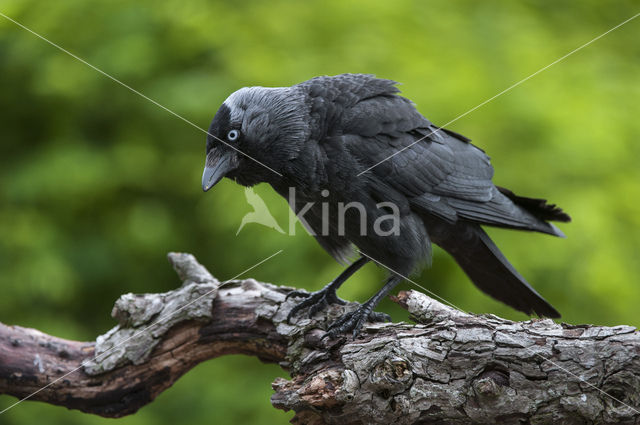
(98, 184)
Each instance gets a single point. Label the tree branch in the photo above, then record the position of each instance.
(450, 367)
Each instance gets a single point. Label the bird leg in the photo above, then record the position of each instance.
(318, 300)
(354, 320)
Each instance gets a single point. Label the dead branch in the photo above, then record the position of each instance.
(450, 367)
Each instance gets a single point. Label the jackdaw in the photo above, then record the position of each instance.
(340, 147)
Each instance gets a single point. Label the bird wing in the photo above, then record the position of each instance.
(381, 132)
(441, 174)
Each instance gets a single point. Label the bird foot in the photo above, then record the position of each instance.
(354, 320)
(316, 301)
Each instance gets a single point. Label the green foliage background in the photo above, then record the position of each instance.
(97, 184)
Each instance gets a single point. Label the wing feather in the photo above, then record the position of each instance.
(442, 174)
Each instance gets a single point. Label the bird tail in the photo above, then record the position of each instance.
(487, 267)
(508, 210)
(540, 209)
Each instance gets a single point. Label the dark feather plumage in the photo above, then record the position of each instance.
(323, 133)
(538, 207)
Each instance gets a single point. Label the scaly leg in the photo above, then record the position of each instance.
(354, 320)
(327, 295)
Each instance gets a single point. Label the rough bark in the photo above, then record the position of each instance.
(449, 367)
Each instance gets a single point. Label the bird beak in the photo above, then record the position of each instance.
(217, 165)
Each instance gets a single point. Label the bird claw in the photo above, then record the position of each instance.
(316, 301)
(377, 317)
(354, 320)
(296, 294)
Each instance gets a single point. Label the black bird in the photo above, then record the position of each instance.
(352, 140)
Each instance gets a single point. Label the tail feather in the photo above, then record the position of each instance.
(487, 267)
(508, 210)
(537, 207)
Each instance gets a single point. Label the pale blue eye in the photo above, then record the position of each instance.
(233, 135)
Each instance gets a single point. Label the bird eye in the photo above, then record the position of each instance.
(233, 135)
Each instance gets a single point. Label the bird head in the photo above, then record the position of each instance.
(254, 134)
